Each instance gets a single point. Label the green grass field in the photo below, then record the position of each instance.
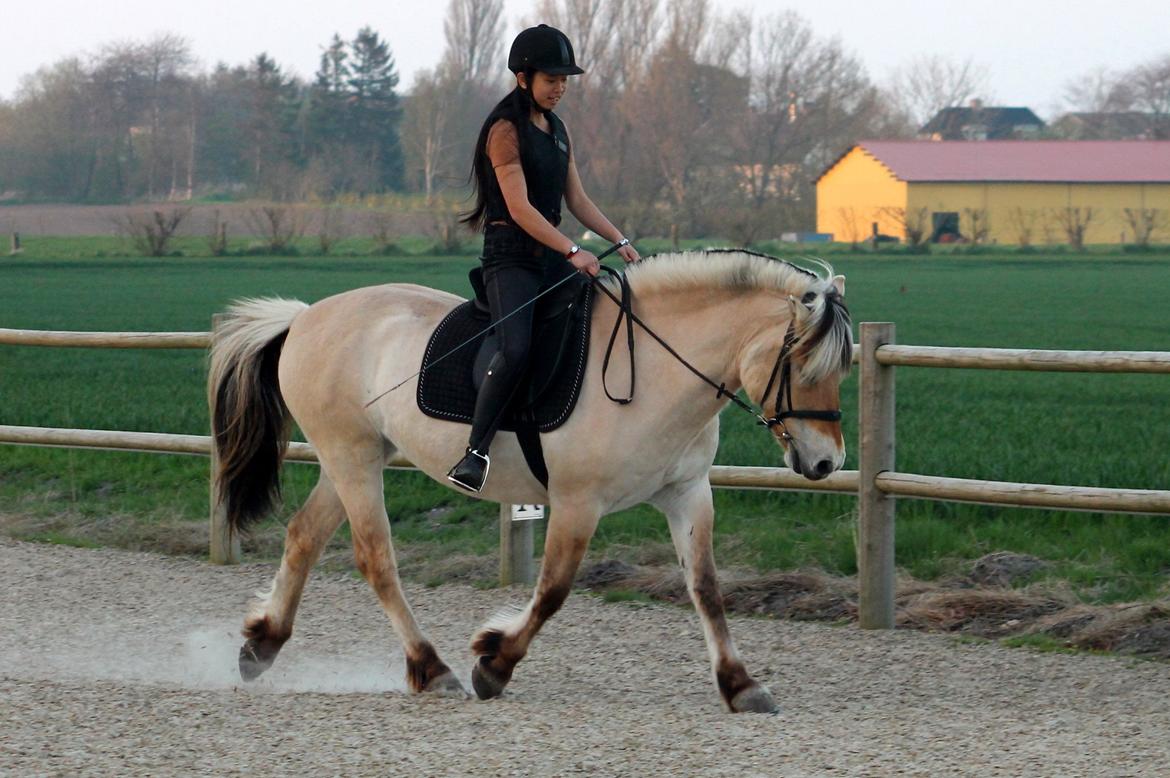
(1098, 430)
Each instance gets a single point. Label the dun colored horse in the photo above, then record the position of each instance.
(740, 319)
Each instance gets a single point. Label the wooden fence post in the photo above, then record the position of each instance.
(516, 549)
(224, 544)
(875, 510)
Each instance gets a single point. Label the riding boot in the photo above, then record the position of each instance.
(495, 395)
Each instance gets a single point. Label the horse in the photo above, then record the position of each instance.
(739, 320)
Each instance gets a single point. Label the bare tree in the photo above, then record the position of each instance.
(977, 224)
(852, 229)
(280, 226)
(424, 130)
(330, 227)
(1022, 222)
(1074, 222)
(165, 61)
(927, 84)
(473, 30)
(1145, 222)
(914, 222)
(1149, 87)
(151, 232)
(1092, 92)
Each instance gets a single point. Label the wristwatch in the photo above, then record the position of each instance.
(569, 254)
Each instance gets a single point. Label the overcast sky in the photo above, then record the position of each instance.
(1030, 46)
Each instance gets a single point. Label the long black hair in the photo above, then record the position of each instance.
(516, 107)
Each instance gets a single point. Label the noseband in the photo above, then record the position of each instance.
(783, 369)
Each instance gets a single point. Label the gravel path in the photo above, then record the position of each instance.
(114, 663)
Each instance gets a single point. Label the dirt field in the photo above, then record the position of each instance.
(121, 663)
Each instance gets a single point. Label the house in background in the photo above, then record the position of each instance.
(979, 122)
(996, 191)
(1115, 125)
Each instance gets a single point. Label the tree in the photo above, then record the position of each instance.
(473, 30)
(1148, 86)
(47, 141)
(223, 143)
(1074, 222)
(447, 106)
(1145, 222)
(424, 131)
(165, 62)
(1092, 92)
(915, 223)
(1022, 222)
(326, 122)
(272, 103)
(927, 84)
(374, 111)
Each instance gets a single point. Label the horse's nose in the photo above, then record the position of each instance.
(822, 468)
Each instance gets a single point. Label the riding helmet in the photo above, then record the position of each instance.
(543, 48)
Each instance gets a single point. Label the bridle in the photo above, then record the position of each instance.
(782, 369)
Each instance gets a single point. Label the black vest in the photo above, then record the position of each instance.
(544, 157)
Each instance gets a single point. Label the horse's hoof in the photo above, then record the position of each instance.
(255, 657)
(447, 685)
(487, 682)
(754, 699)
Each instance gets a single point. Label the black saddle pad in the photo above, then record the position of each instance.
(548, 392)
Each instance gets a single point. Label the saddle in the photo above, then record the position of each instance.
(457, 354)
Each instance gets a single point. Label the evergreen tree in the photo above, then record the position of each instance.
(374, 108)
(327, 99)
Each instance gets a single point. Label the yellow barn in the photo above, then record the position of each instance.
(1015, 192)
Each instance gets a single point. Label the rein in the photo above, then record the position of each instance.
(782, 368)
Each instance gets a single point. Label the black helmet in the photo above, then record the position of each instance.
(543, 48)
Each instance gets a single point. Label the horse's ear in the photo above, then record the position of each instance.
(839, 282)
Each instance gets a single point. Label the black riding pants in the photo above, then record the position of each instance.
(510, 284)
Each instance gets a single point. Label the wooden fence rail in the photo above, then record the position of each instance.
(876, 483)
(105, 339)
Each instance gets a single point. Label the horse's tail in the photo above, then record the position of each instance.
(249, 419)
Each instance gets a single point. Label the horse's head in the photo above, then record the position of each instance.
(794, 368)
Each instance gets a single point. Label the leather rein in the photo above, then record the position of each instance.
(781, 370)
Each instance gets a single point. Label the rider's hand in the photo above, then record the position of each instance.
(629, 253)
(586, 262)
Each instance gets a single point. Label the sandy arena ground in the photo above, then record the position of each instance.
(116, 663)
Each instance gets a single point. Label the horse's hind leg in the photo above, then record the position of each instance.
(503, 641)
(271, 621)
(691, 515)
(360, 489)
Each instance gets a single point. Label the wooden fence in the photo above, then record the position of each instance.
(876, 483)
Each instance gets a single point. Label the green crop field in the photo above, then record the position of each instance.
(1094, 430)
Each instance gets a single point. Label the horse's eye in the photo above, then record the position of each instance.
(809, 298)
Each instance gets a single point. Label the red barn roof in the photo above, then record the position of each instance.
(1044, 161)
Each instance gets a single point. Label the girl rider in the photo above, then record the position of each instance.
(523, 168)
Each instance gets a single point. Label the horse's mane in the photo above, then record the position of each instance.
(825, 341)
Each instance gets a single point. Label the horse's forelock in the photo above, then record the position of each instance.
(826, 337)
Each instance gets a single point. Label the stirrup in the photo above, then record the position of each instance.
(471, 472)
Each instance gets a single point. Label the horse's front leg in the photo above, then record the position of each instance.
(503, 641)
(691, 515)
